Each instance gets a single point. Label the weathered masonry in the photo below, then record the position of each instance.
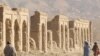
(39, 30)
(80, 31)
(36, 33)
(14, 27)
(60, 30)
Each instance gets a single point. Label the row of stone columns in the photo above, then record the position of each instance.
(57, 30)
(81, 35)
(60, 31)
(39, 30)
(79, 32)
(14, 27)
(17, 36)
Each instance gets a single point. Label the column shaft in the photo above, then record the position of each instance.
(63, 38)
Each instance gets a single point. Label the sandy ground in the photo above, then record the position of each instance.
(61, 53)
(53, 54)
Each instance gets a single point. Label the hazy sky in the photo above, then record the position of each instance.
(71, 8)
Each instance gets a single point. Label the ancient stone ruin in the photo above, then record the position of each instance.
(14, 27)
(37, 33)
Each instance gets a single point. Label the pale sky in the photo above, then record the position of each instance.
(71, 8)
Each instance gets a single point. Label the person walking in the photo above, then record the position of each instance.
(86, 49)
(9, 50)
(95, 49)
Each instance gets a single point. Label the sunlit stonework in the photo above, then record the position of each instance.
(27, 34)
(14, 27)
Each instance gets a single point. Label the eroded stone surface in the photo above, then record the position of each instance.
(36, 36)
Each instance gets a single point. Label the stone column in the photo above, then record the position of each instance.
(40, 38)
(90, 32)
(45, 40)
(68, 38)
(59, 33)
(63, 38)
(20, 35)
(27, 41)
(80, 38)
(83, 36)
(1, 36)
(77, 36)
(28, 33)
(88, 35)
(4, 33)
(81, 30)
(50, 40)
(74, 38)
(12, 32)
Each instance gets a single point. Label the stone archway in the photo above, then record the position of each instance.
(43, 37)
(8, 30)
(24, 36)
(16, 35)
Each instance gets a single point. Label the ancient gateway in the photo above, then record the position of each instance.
(14, 27)
(37, 33)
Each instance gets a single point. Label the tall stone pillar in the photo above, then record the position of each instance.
(88, 35)
(68, 39)
(63, 38)
(82, 36)
(4, 34)
(28, 35)
(74, 39)
(27, 41)
(59, 33)
(77, 36)
(20, 41)
(39, 45)
(1, 36)
(12, 32)
(50, 42)
(45, 38)
(90, 31)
